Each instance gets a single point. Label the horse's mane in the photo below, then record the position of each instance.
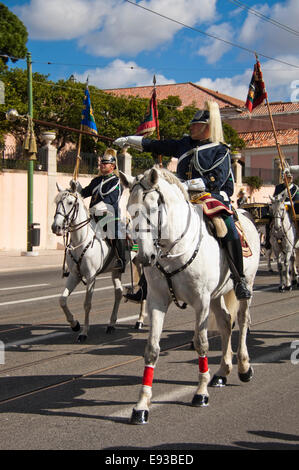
(171, 178)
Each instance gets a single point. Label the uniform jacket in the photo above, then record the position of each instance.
(198, 159)
(294, 190)
(105, 189)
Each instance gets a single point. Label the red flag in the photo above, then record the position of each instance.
(150, 122)
(257, 91)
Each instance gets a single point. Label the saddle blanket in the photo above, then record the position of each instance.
(212, 208)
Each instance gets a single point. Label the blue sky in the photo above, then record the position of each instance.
(118, 44)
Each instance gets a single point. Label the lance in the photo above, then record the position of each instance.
(282, 160)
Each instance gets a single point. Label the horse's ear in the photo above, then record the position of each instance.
(59, 188)
(272, 199)
(154, 176)
(126, 180)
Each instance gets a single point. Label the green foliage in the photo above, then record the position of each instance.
(13, 36)
(62, 103)
(231, 137)
(254, 182)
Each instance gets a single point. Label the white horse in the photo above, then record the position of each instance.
(86, 257)
(283, 238)
(184, 262)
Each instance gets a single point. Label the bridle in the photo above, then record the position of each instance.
(71, 215)
(160, 254)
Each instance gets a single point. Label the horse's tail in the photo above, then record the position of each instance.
(232, 305)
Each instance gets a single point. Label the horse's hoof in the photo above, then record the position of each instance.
(139, 417)
(81, 338)
(76, 327)
(200, 400)
(138, 325)
(288, 288)
(218, 381)
(247, 376)
(281, 289)
(110, 329)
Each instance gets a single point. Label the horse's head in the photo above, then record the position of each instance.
(66, 209)
(278, 210)
(153, 197)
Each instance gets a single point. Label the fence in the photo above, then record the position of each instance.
(12, 159)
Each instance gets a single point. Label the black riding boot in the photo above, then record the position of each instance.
(120, 250)
(141, 293)
(233, 250)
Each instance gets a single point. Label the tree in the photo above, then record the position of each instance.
(13, 36)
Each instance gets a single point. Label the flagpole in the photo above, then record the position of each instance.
(281, 158)
(78, 158)
(157, 121)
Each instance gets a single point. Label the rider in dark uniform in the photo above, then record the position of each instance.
(204, 163)
(280, 189)
(105, 192)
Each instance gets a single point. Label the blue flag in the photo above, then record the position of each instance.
(88, 122)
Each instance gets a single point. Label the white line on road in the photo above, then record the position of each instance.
(53, 296)
(24, 287)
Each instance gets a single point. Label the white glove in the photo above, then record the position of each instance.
(195, 184)
(294, 168)
(134, 141)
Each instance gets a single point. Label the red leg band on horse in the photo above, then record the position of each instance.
(203, 364)
(148, 376)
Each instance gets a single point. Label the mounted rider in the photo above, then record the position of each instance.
(204, 164)
(105, 192)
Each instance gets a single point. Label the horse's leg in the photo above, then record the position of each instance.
(72, 281)
(201, 345)
(142, 313)
(87, 306)
(118, 292)
(268, 255)
(224, 322)
(156, 319)
(245, 371)
(289, 263)
(280, 271)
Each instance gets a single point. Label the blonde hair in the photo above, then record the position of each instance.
(216, 130)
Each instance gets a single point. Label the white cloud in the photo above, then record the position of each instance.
(120, 74)
(236, 86)
(213, 49)
(269, 39)
(59, 20)
(114, 27)
(131, 30)
(280, 80)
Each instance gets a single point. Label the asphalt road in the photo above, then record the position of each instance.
(57, 394)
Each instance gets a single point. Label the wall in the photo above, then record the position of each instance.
(13, 207)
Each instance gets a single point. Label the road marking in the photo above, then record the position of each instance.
(56, 335)
(53, 296)
(24, 287)
(159, 400)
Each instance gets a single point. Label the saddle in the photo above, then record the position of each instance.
(213, 210)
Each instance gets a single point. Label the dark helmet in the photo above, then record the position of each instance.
(201, 116)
